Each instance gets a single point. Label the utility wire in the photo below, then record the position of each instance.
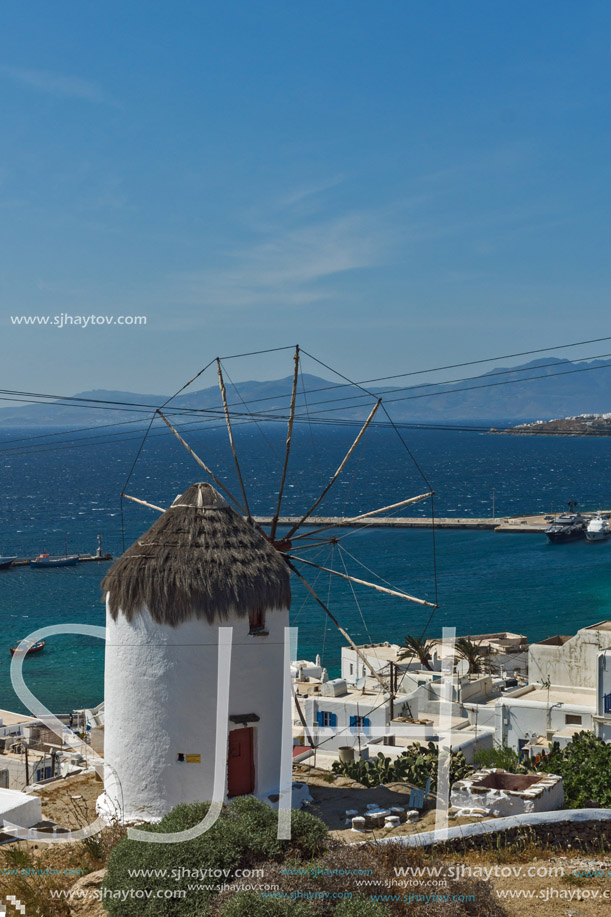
(143, 408)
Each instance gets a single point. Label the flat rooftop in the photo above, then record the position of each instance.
(558, 640)
(385, 652)
(12, 719)
(558, 694)
(602, 625)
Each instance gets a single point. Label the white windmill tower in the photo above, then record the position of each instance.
(199, 566)
(203, 565)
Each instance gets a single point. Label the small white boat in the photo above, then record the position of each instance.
(598, 529)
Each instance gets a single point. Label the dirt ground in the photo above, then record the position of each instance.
(71, 803)
(549, 894)
(332, 800)
(557, 896)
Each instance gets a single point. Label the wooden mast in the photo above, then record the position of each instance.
(344, 633)
(364, 516)
(339, 470)
(200, 462)
(231, 442)
(363, 582)
(289, 436)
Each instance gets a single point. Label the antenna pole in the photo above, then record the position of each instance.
(231, 442)
(289, 436)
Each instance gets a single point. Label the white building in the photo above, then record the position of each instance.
(571, 660)
(19, 809)
(534, 717)
(199, 567)
(18, 770)
(340, 715)
(602, 718)
(570, 692)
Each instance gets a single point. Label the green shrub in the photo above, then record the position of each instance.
(243, 836)
(415, 765)
(360, 907)
(309, 834)
(584, 764)
(251, 904)
(504, 757)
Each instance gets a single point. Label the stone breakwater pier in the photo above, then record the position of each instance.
(536, 523)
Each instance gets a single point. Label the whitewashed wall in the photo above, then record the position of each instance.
(160, 700)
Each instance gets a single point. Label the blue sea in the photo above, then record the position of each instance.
(59, 492)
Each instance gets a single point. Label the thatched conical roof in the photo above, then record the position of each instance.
(199, 559)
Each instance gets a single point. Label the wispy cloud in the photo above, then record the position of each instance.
(58, 85)
(288, 266)
(306, 192)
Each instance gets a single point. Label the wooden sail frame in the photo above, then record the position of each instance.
(286, 543)
(361, 582)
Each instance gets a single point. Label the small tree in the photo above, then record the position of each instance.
(416, 647)
(472, 652)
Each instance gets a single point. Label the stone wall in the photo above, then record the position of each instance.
(592, 835)
(502, 793)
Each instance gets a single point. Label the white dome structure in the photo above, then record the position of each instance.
(199, 567)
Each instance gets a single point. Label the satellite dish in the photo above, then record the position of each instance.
(360, 683)
(462, 667)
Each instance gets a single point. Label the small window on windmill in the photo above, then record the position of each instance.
(256, 620)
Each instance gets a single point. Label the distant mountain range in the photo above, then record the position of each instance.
(537, 390)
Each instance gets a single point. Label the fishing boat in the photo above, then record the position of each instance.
(6, 562)
(598, 529)
(60, 560)
(35, 648)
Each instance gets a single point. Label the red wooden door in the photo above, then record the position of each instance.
(240, 762)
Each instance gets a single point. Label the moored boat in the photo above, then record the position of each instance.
(6, 562)
(568, 527)
(35, 648)
(598, 529)
(60, 560)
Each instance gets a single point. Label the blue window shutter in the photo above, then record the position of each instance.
(319, 717)
(366, 723)
(353, 720)
(333, 719)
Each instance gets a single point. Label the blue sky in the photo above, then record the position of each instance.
(393, 185)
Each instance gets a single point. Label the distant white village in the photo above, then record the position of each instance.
(529, 697)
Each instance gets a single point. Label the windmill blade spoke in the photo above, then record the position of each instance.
(343, 632)
(144, 503)
(364, 516)
(362, 582)
(339, 470)
(231, 442)
(289, 437)
(201, 463)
